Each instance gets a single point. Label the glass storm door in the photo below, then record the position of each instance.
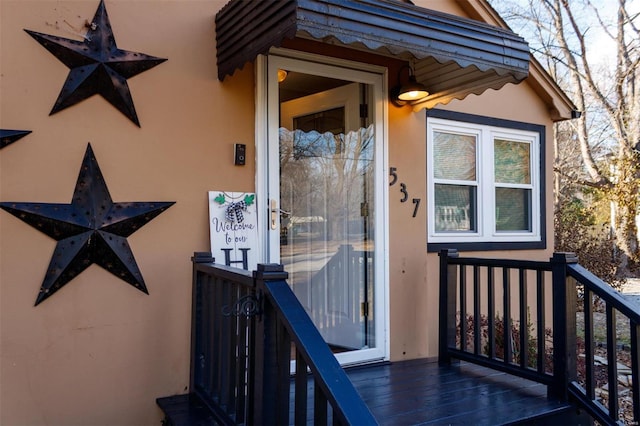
(324, 151)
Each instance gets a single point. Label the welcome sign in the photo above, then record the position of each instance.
(233, 226)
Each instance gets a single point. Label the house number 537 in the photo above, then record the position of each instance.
(393, 173)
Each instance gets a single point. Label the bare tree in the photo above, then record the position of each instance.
(568, 36)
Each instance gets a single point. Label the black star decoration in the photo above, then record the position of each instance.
(97, 66)
(8, 137)
(92, 229)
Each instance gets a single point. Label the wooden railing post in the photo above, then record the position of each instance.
(564, 326)
(198, 257)
(447, 310)
(265, 396)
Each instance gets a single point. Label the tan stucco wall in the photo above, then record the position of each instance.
(414, 273)
(99, 352)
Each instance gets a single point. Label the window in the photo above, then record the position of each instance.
(485, 183)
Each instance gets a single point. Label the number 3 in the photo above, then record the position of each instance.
(403, 189)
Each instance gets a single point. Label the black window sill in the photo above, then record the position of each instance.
(487, 246)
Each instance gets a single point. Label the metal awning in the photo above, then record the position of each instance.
(452, 56)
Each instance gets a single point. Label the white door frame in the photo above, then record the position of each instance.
(265, 131)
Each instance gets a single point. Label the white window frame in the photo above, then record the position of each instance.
(486, 186)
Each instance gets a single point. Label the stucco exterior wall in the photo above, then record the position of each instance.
(414, 273)
(99, 352)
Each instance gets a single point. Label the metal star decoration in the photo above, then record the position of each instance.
(97, 66)
(8, 137)
(92, 229)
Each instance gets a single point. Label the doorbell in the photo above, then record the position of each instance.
(240, 154)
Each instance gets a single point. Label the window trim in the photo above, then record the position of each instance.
(481, 242)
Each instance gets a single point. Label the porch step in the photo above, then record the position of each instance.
(185, 410)
(561, 417)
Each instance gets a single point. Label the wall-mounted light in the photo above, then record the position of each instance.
(282, 75)
(408, 92)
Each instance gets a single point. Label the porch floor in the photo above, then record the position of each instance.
(421, 392)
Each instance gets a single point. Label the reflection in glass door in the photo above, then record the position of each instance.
(326, 169)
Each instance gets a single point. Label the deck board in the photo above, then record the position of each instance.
(421, 392)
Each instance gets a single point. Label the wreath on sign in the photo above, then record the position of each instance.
(234, 209)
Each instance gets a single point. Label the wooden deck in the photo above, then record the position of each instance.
(420, 392)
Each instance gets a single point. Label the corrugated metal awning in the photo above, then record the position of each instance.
(452, 56)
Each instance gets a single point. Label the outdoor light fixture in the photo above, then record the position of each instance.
(411, 91)
(282, 75)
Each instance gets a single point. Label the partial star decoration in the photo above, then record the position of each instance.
(7, 137)
(92, 229)
(97, 66)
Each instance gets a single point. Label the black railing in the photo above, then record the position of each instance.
(477, 314)
(520, 317)
(617, 310)
(246, 329)
(225, 308)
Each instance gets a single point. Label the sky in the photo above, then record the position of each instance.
(601, 49)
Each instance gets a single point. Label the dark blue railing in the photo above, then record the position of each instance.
(246, 329)
(486, 311)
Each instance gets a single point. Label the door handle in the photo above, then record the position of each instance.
(275, 211)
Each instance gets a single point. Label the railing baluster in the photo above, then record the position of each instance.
(242, 362)
(540, 315)
(202, 346)
(319, 407)
(491, 309)
(283, 387)
(234, 342)
(228, 349)
(217, 346)
(635, 369)
(301, 381)
(476, 310)
(589, 345)
(463, 307)
(506, 320)
(213, 361)
(612, 360)
(447, 305)
(524, 320)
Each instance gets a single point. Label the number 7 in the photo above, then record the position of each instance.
(416, 201)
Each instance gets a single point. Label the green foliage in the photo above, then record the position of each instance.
(580, 230)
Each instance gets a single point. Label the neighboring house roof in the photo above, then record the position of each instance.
(452, 55)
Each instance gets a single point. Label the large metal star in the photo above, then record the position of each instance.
(97, 66)
(92, 229)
